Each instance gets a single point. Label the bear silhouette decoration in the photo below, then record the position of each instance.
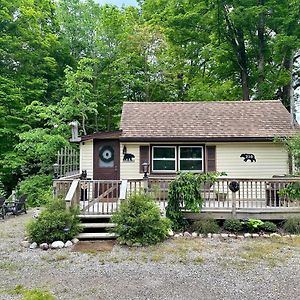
(128, 156)
(248, 156)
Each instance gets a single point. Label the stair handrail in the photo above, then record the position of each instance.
(72, 193)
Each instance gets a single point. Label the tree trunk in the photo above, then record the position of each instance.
(286, 90)
(236, 39)
(261, 51)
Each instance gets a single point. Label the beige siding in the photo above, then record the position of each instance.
(271, 159)
(130, 169)
(86, 158)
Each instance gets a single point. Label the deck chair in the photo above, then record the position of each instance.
(18, 206)
(2, 207)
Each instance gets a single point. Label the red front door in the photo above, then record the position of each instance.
(106, 160)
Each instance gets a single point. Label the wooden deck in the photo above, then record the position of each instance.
(256, 198)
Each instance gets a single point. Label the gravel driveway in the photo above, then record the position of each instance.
(177, 269)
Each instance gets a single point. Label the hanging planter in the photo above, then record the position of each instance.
(106, 154)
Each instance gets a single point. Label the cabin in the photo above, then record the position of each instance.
(156, 140)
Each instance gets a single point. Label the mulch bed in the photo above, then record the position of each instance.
(94, 246)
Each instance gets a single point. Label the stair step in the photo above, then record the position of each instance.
(95, 216)
(96, 235)
(98, 225)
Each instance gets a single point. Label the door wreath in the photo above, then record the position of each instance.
(106, 153)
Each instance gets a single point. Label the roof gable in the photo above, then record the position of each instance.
(213, 120)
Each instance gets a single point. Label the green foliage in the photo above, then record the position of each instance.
(292, 225)
(31, 294)
(205, 226)
(292, 191)
(293, 147)
(253, 225)
(269, 226)
(185, 193)
(38, 189)
(54, 223)
(233, 225)
(138, 221)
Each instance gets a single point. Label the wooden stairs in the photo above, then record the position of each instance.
(96, 227)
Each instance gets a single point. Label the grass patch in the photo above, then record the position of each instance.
(157, 258)
(58, 257)
(272, 252)
(198, 260)
(8, 266)
(30, 294)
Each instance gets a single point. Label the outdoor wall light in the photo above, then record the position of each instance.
(145, 166)
(55, 170)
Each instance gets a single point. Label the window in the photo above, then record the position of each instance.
(191, 158)
(164, 158)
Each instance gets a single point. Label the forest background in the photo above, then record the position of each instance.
(70, 60)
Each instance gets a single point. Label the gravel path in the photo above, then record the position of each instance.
(177, 269)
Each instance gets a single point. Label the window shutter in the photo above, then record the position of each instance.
(211, 165)
(144, 155)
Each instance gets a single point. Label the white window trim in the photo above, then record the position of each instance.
(200, 159)
(153, 159)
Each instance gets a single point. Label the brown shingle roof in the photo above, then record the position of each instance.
(213, 120)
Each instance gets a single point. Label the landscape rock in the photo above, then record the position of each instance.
(232, 235)
(170, 232)
(68, 244)
(33, 245)
(44, 246)
(275, 235)
(177, 235)
(216, 235)
(224, 235)
(265, 235)
(187, 234)
(194, 234)
(240, 237)
(247, 235)
(25, 244)
(209, 235)
(75, 241)
(180, 234)
(255, 235)
(201, 235)
(57, 245)
(36, 213)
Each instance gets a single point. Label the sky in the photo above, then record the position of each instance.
(118, 2)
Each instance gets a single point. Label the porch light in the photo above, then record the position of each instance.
(145, 166)
(55, 170)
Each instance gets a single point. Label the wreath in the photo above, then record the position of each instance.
(106, 153)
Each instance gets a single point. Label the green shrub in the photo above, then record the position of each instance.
(233, 225)
(138, 221)
(37, 188)
(185, 190)
(205, 225)
(292, 225)
(253, 225)
(54, 223)
(269, 226)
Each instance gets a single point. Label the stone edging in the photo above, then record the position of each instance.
(45, 246)
(229, 235)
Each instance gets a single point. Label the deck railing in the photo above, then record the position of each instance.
(253, 193)
(103, 196)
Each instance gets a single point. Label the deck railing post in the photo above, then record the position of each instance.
(146, 184)
(234, 205)
(234, 187)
